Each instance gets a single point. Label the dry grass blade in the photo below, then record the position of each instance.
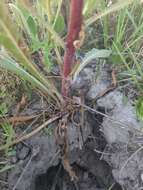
(34, 132)
(17, 119)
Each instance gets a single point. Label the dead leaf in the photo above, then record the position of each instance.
(17, 119)
(21, 104)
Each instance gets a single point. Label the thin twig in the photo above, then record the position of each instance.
(17, 119)
(31, 124)
(34, 153)
(130, 158)
(4, 182)
(100, 152)
(124, 125)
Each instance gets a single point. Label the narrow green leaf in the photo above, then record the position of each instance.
(17, 53)
(47, 61)
(93, 54)
(32, 26)
(89, 6)
(12, 66)
(6, 168)
(139, 108)
(59, 25)
(9, 134)
(22, 22)
(115, 7)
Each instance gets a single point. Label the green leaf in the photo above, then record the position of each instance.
(93, 54)
(115, 7)
(6, 168)
(47, 61)
(32, 26)
(3, 109)
(139, 108)
(59, 25)
(21, 19)
(89, 6)
(36, 45)
(97, 53)
(8, 40)
(9, 45)
(12, 66)
(26, 13)
(9, 134)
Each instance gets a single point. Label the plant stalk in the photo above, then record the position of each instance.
(74, 27)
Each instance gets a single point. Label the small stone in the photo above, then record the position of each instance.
(13, 160)
(142, 177)
(22, 153)
(111, 100)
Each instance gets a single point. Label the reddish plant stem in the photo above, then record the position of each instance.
(74, 27)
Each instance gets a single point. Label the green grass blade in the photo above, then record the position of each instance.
(115, 7)
(20, 18)
(132, 74)
(8, 40)
(6, 168)
(10, 65)
(93, 54)
(9, 134)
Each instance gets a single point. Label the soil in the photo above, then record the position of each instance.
(45, 170)
(106, 155)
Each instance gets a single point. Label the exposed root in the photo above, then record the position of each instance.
(61, 138)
